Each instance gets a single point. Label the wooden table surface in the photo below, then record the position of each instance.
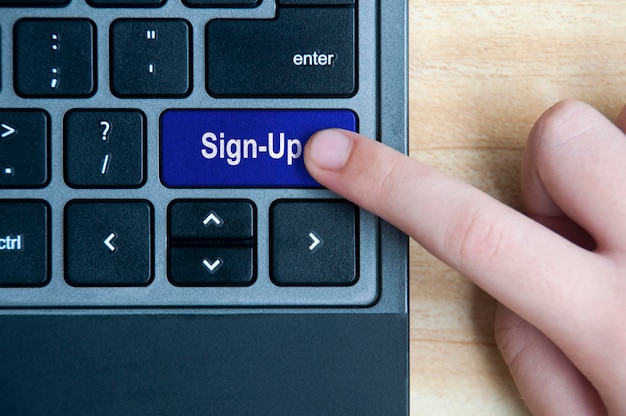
(481, 73)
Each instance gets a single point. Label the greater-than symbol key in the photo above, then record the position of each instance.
(7, 130)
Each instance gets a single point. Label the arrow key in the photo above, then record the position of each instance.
(208, 219)
(213, 219)
(316, 241)
(313, 243)
(108, 243)
(211, 266)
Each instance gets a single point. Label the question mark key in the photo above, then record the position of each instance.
(104, 148)
(106, 129)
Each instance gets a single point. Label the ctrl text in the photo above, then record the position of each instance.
(11, 243)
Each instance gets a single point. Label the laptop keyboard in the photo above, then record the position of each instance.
(151, 153)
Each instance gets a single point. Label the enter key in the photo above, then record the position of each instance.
(303, 52)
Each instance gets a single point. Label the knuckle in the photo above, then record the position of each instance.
(478, 238)
(388, 185)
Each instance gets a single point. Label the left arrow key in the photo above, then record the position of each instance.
(108, 242)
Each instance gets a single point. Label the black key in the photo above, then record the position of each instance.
(211, 266)
(313, 243)
(24, 148)
(221, 3)
(108, 243)
(211, 242)
(304, 52)
(105, 148)
(211, 220)
(24, 243)
(150, 58)
(126, 3)
(33, 3)
(54, 58)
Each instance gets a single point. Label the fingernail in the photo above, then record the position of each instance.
(329, 149)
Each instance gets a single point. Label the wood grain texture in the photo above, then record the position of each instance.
(481, 73)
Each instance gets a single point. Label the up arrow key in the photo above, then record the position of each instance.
(214, 219)
(7, 130)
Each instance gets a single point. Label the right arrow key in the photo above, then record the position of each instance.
(316, 241)
(300, 256)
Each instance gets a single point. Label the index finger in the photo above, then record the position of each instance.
(512, 257)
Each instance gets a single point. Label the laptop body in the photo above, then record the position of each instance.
(163, 250)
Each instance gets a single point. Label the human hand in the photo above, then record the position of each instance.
(559, 272)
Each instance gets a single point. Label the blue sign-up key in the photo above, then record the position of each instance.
(242, 148)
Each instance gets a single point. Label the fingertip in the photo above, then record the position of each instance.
(357, 168)
(558, 131)
(562, 121)
(327, 150)
(565, 165)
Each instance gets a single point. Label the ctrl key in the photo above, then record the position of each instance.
(24, 235)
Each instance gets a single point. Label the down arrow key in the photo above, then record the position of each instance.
(212, 266)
